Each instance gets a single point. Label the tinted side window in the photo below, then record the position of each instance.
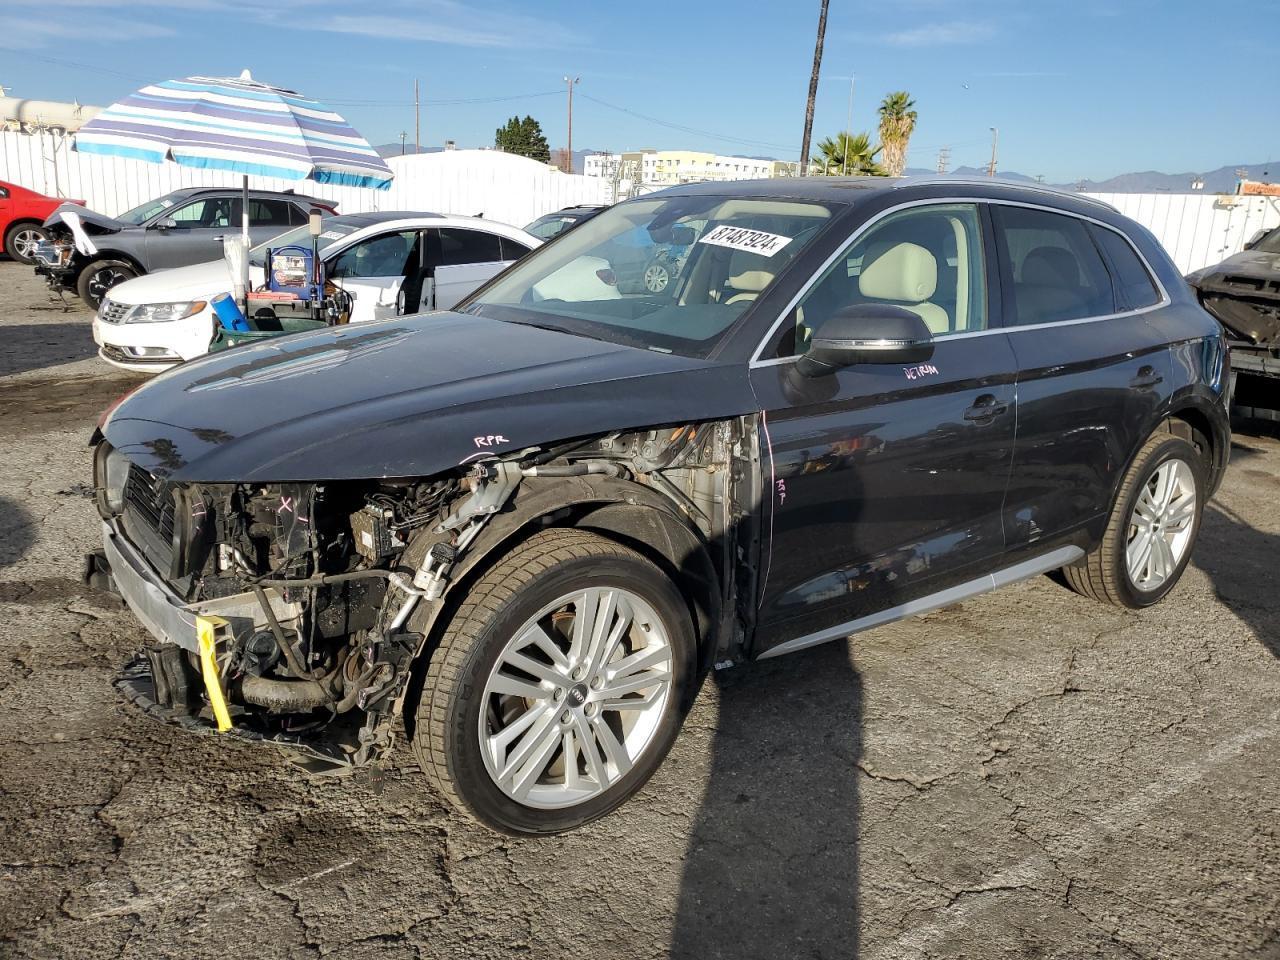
(512, 250)
(208, 212)
(269, 213)
(386, 255)
(1056, 271)
(1134, 287)
(925, 259)
(468, 246)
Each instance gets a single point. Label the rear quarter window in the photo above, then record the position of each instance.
(1134, 287)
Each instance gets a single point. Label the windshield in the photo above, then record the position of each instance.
(1270, 243)
(301, 237)
(666, 274)
(144, 212)
(553, 224)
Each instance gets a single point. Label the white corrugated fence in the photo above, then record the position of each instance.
(499, 186)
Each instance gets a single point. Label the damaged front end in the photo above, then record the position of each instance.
(292, 613)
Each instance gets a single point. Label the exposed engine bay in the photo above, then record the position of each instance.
(297, 611)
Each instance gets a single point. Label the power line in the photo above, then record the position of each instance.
(684, 129)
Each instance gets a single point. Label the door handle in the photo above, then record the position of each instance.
(1146, 379)
(985, 408)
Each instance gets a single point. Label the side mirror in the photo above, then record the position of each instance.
(1253, 241)
(866, 333)
(167, 223)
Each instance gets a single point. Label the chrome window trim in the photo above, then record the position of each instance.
(1164, 301)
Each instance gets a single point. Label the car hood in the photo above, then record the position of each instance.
(199, 281)
(101, 221)
(405, 398)
(1254, 264)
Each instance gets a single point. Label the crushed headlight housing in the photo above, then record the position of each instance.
(161, 312)
(111, 472)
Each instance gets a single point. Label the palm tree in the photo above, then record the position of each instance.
(856, 148)
(897, 121)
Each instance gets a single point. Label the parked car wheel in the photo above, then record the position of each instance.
(559, 684)
(99, 277)
(656, 278)
(20, 241)
(1153, 526)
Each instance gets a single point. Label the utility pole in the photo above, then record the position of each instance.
(569, 150)
(848, 128)
(417, 120)
(995, 143)
(404, 135)
(813, 90)
(944, 159)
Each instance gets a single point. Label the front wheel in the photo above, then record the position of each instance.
(99, 277)
(559, 685)
(21, 239)
(1152, 529)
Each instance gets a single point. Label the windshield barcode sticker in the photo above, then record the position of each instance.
(749, 241)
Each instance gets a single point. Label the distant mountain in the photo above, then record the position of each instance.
(1222, 180)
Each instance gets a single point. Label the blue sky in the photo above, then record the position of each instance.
(1077, 88)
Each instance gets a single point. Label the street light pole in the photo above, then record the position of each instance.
(848, 128)
(995, 143)
(569, 150)
(813, 90)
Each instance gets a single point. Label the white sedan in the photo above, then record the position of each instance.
(390, 263)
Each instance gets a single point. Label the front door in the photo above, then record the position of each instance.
(373, 271)
(886, 482)
(192, 233)
(1091, 369)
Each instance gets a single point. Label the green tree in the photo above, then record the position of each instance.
(856, 149)
(897, 122)
(523, 137)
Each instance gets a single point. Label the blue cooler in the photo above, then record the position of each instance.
(228, 312)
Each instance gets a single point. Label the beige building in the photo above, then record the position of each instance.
(664, 168)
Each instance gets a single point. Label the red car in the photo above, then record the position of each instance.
(21, 213)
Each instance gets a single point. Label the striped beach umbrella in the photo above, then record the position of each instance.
(240, 125)
(235, 124)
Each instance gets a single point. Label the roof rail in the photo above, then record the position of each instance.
(1013, 184)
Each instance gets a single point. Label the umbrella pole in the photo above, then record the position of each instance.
(244, 232)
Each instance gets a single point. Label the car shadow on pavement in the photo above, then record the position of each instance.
(35, 346)
(771, 869)
(1240, 560)
(17, 531)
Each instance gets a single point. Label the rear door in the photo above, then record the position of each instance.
(1091, 369)
(268, 217)
(373, 270)
(463, 259)
(887, 480)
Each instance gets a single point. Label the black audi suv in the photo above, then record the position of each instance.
(531, 525)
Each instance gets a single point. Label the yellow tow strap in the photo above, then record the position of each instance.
(207, 632)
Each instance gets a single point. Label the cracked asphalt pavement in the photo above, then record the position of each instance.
(1027, 774)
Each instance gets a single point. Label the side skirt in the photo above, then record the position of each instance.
(943, 598)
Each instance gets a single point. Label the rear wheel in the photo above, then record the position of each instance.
(1152, 529)
(559, 685)
(99, 277)
(20, 241)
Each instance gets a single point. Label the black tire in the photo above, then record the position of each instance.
(1103, 574)
(537, 572)
(100, 276)
(18, 238)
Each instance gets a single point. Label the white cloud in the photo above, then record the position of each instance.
(29, 33)
(941, 34)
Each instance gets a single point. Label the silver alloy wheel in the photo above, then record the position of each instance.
(656, 278)
(576, 697)
(1161, 525)
(24, 243)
